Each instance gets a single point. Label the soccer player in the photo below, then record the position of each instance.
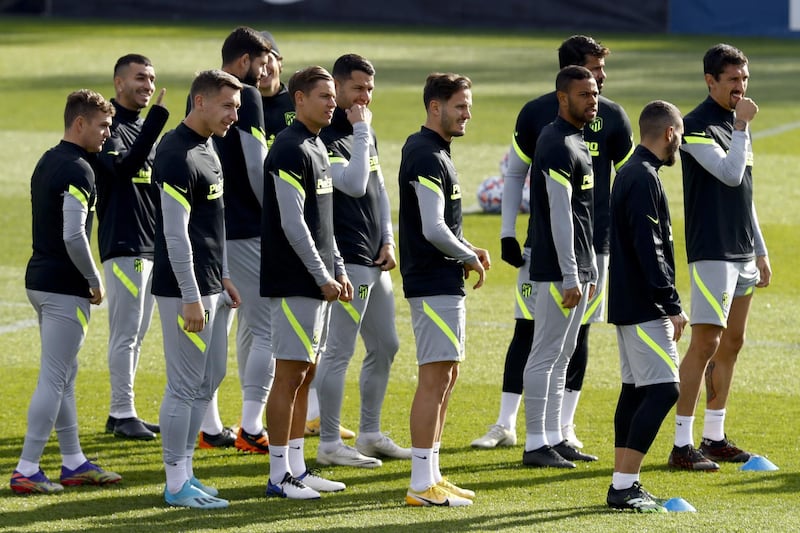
(241, 152)
(62, 282)
(726, 252)
(275, 98)
(610, 143)
(434, 260)
(190, 278)
(363, 228)
(563, 263)
(643, 302)
(278, 114)
(127, 225)
(302, 273)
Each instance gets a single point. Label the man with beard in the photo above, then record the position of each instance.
(127, 219)
(643, 303)
(726, 252)
(435, 258)
(610, 143)
(363, 227)
(244, 55)
(563, 262)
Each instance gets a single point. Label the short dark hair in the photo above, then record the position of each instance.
(304, 80)
(344, 67)
(128, 59)
(569, 74)
(244, 40)
(720, 56)
(656, 117)
(574, 50)
(85, 103)
(442, 86)
(209, 82)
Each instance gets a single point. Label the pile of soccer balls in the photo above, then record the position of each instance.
(490, 192)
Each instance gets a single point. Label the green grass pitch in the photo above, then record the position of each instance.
(42, 60)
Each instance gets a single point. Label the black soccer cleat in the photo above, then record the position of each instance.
(545, 456)
(571, 454)
(724, 451)
(690, 458)
(634, 498)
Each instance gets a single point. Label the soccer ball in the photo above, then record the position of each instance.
(490, 194)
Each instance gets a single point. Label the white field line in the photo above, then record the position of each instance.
(17, 326)
(777, 130)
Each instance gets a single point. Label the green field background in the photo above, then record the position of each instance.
(41, 61)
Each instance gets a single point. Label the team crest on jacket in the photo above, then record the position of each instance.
(289, 117)
(596, 125)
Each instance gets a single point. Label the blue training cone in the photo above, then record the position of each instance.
(758, 463)
(678, 505)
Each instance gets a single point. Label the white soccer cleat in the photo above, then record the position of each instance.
(568, 432)
(347, 456)
(291, 488)
(384, 446)
(496, 436)
(312, 479)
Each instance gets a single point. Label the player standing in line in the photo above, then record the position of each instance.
(62, 282)
(726, 252)
(126, 213)
(610, 143)
(434, 260)
(300, 275)
(563, 263)
(643, 302)
(241, 152)
(362, 222)
(275, 98)
(190, 278)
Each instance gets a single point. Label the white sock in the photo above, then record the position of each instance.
(73, 461)
(297, 460)
(252, 417)
(278, 463)
(509, 407)
(623, 481)
(534, 441)
(370, 436)
(714, 425)
(313, 404)
(27, 468)
(554, 437)
(683, 430)
(326, 446)
(569, 404)
(421, 469)
(189, 466)
(176, 476)
(212, 424)
(437, 473)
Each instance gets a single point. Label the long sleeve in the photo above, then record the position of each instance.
(126, 163)
(559, 197)
(387, 231)
(351, 176)
(290, 204)
(179, 248)
(726, 167)
(646, 221)
(516, 170)
(76, 242)
(434, 229)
